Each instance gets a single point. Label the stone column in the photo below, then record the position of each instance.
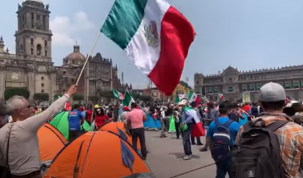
(2, 83)
(47, 22)
(31, 84)
(53, 86)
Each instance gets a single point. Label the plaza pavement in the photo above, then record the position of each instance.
(165, 158)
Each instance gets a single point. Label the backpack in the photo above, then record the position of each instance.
(221, 142)
(258, 152)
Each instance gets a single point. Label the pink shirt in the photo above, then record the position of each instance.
(135, 117)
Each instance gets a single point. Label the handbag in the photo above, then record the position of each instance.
(5, 172)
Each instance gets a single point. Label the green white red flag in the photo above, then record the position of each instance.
(154, 35)
(118, 95)
(128, 99)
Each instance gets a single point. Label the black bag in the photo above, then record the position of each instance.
(221, 142)
(5, 172)
(257, 154)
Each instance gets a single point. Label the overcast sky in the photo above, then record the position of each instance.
(246, 34)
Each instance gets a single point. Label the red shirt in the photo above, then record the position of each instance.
(88, 115)
(100, 120)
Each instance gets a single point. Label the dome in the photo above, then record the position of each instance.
(76, 55)
(40, 1)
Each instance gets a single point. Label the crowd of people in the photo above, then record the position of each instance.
(262, 140)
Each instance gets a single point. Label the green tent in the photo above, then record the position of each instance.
(60, 122)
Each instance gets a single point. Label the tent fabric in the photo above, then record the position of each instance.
(151, 123)
(51, 141)
(172, 127)
(114, 127)
(60, 122)
(97, 154)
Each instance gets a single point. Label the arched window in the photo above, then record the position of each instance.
(45, 43)
(32, 51)
(39, 49)
(45, 53)
(21, 48)
(32, 41)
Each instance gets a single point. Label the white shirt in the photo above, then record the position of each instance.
(23, 151)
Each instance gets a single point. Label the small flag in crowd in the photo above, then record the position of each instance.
(154, 35)
(193, 97)
(118, 95)
(128, 99)
(179, 97)
(220, 96)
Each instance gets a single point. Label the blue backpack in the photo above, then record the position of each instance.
(221, 141)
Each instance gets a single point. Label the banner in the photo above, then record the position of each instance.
(245, 97)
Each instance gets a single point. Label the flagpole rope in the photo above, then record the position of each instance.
(202, 167)
(90, 52)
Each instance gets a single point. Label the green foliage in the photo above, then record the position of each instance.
(41, 97)
(94, 99)
(57, 96)
(77, 97)
(9, 92)
(106, 94)
(145, 98)
(185, 84)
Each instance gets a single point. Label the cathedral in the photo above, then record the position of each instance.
(32, 67)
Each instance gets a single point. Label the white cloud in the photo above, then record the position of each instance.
(66, 29)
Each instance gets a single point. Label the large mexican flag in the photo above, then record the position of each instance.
(154, 35)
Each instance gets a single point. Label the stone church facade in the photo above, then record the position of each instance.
(32, 67)
(232, 83)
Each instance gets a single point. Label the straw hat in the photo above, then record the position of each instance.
(183, 102)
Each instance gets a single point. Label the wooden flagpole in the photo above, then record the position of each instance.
(90, 52)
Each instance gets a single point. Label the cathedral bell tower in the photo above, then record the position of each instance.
(33, 37)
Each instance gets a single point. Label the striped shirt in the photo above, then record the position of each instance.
(290, 137)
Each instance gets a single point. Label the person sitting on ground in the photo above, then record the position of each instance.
(20, 137)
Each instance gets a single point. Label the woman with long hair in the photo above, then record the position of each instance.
(100, 117)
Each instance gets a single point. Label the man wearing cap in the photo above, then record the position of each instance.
(272, 99)
(189, 125)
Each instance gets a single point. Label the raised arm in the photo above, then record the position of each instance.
(35, 122)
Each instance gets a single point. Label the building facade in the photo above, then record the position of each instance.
(32, 67)
(233, 83)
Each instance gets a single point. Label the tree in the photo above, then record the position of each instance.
(9, 92)
(94, 99)
(78, 97)
(185, 84)
(41, 97)
(57, 96)
(106, 94)
(145, 98)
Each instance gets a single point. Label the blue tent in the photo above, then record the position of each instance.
(151, 123)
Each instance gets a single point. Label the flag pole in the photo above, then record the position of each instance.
(90, 52)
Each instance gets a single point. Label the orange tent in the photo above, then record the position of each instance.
(51, 141)
(98, 154)
(114, 126)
